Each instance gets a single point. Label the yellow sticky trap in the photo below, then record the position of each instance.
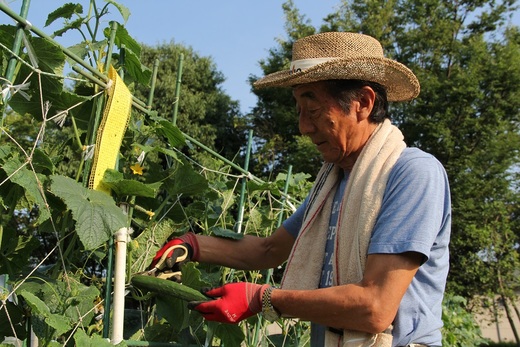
(111, 130)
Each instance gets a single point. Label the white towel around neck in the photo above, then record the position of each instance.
(359, 209)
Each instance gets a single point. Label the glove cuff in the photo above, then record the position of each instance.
(193, 245)
(255, 294)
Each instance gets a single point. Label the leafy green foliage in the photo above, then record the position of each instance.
(203, 111)
(57, 305)
(43, 316)
(55, 232)
(82, 339)
(96, 215)
(14, 249)
(66, 12)
(460, 327)
(127, 187)
(31, 182)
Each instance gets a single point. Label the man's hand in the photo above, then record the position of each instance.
(233, 302)
(188, 240)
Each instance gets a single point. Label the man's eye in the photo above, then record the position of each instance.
(315, 113)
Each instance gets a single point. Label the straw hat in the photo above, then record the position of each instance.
(341, 55)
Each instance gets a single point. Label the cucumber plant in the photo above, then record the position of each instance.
(55, 233)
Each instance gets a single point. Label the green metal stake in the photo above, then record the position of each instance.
(113, 31)
(122, 54)
(176, 100)
(9, 76)
(280, 220)
(284, 197)
(17, 42)
(178, 88)
(240, 218)
(154, 81)
(17, 45)
(280, 217)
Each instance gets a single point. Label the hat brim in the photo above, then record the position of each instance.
(400, 82)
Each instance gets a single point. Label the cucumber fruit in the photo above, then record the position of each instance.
(167, 287)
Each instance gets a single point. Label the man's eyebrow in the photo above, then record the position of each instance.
(308, 94)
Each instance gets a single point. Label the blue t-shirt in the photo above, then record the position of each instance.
(415, 216)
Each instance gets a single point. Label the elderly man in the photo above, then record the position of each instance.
(367, 251)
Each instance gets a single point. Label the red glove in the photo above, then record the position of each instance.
(233, 302)
(189, 240)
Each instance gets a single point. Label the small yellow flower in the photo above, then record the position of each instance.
(137, 169)
(150, 214)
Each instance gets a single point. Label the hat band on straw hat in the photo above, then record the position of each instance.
(344, 55)
(304, 64)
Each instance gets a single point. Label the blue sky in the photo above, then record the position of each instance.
(235, 33)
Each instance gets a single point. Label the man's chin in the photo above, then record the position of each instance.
(331, 157)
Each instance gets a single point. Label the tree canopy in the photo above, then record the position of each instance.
(205, 112)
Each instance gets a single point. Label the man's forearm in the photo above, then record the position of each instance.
(341, 307)
(248, 253)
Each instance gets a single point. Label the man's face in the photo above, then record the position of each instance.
(339, 136)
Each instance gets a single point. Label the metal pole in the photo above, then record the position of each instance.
(240, 218)
(113, 31)
(108, 289)
(270, 271)
(284, 197)
(17, 42)
(9, 74)
(178, 89)
(154, 81)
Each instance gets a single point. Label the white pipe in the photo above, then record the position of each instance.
(118, 311)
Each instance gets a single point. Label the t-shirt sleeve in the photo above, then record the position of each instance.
(413, 208)
(294, 222)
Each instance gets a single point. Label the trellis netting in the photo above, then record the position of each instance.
(63, 205)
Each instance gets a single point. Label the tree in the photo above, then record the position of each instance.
(274, 118)
(467, 116)
(205, 112)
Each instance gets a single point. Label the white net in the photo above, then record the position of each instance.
(56, 234)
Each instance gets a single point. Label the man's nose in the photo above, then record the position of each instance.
(305, 125)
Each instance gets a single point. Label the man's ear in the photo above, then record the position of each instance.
(365, 104)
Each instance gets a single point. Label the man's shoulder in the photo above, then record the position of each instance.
(410, 153)
(415, 166)
(413, 158)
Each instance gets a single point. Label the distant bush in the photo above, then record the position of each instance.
(460, 328)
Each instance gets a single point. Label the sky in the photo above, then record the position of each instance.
(236, 34)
